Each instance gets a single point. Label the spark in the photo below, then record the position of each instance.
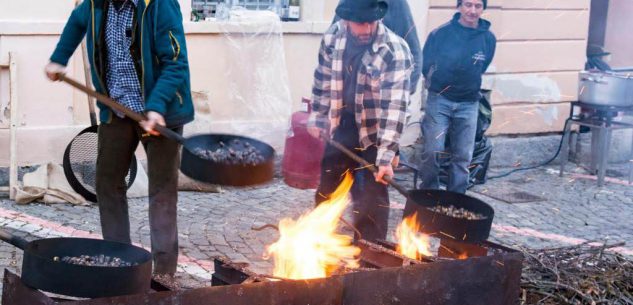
(363, 167)
(444, 90)
(504, 124)
(409, 31)
(448, 249)
(447, 235)
(439, 135)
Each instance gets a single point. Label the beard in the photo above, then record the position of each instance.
(363, 39)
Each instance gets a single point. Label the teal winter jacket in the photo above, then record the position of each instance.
(158, 49)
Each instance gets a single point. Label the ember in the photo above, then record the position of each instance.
(236, 152)
(453, 211)
(96, 261)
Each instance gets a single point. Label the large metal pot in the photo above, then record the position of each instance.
(606, 89)
(43, 269)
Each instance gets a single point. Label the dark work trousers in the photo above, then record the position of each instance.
(370, 198)
(117, 142)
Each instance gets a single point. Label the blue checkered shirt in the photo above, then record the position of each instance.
(122, 79)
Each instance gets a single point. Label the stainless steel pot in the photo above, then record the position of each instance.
(606, 88)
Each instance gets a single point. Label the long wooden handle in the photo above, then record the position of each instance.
(120, 108)
(91, 102)
(367, 165)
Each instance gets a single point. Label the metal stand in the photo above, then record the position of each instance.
(602, 123)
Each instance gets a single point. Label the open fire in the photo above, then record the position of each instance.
(310, 247)
(412, 243)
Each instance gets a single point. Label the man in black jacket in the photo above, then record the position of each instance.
(455, 56)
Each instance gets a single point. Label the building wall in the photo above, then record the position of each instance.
(534, 74)
(541, 48)
(618, 38)
(51, 114)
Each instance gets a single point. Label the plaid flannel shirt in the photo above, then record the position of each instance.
(382, 89)
(122, 79)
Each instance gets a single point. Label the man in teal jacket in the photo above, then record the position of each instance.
(138, 57)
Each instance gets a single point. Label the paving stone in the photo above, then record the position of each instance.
(220, 224)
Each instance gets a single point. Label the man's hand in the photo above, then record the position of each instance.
(395, 162)
(153, 119)
(315, 132)
(53, 70)
(384, 170)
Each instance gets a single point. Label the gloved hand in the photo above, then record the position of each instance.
(52, 70)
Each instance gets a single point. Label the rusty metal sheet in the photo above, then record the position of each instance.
(372, 255)
(14, 292)
(492, 280)
(314, 292)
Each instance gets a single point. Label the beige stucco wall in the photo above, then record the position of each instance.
(541, 48)
(618, 38)
(51, 114)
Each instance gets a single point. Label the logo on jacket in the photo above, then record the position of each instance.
(479, 56)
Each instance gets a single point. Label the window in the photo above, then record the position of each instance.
(202, 9)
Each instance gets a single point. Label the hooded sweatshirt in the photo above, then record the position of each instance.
(455, 57)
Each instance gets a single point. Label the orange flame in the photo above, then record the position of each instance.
(309, 247)
(412, 243)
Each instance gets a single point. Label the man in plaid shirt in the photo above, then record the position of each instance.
(360, 95)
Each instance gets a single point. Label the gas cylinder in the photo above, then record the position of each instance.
(301, 163)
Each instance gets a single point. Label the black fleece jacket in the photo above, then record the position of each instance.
(455, 57)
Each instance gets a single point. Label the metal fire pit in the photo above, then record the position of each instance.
(490, 275)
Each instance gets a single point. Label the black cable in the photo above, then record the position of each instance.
(560, 145)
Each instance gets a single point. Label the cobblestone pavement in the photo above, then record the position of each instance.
(573, 210)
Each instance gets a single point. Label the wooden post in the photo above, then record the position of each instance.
(14, 124)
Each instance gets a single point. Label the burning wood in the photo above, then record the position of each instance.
(455, 212)
(412, 243)
(309, 247)
(235, 153)
(581, 274)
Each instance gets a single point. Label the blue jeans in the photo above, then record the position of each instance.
(458, 121)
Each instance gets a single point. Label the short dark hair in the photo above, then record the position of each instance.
(459, 3)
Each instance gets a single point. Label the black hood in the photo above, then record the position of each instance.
(484, 25)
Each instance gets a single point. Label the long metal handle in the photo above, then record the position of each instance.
(14, 240)
(168, 133)
(366, 164)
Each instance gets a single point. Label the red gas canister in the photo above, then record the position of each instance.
(301, 164)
